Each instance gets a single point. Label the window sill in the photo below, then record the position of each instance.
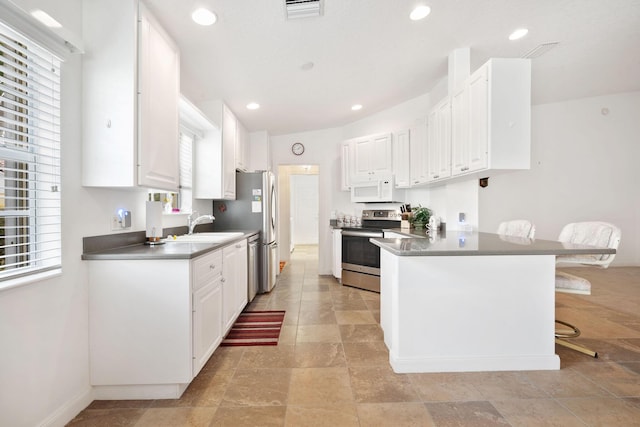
(29, 279)
(176, 213)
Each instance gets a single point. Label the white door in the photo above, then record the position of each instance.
(304, 209)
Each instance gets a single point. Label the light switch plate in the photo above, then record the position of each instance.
(462, 217)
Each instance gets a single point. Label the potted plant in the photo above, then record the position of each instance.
(420, 216)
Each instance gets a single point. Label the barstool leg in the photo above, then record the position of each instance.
(572, 333)
(576, 347)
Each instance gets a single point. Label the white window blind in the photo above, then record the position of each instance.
(30, 213)
(186, 175)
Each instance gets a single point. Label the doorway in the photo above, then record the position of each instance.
(304, 210)
(292, 195)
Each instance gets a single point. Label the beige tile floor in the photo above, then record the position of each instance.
(331, 369)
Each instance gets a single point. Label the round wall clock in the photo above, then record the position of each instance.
(297, 148)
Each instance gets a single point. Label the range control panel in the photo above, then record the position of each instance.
(384, 214)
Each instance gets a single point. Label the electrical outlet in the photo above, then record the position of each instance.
(115, 223)
(462, 217)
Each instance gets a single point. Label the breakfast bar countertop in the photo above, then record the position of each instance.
(462, 243)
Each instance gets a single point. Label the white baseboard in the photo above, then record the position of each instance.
(139, 392)
(65, 413)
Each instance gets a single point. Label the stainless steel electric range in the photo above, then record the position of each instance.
(360, 257)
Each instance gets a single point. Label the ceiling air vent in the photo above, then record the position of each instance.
(296, 9)
(540, 50)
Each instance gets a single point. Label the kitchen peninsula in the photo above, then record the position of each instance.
(470, 302)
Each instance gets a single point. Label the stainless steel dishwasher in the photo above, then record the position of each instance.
(253, 266)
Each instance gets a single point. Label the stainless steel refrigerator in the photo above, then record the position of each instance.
(254, 208)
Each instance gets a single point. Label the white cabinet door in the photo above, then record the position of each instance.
(207, 322)
(229, 140)
(444, 139)
(241, 275)
(439, 141)
(229, 307)
(478, 88)
(241, 147)
(158, 96)
(347, 166)
(336, 266)
(418, 152)
(362, 152)
(206, 285)
(460, 131)
(234, 281)
(381, 155)
(402, 158)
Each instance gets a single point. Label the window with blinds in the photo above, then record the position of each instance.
(186, 176)
(30, 213)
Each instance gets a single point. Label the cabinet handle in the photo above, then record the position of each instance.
(436, 176)
(222, 280)
(238, 246)
(212, 267)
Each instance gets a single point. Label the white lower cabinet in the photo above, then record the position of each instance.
(336, 265)
(153, 324)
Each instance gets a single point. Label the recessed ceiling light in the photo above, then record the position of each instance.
(518, 34)
(419, 13)
(45, 18)
(204, 16)
(253, 106)
(356, 107)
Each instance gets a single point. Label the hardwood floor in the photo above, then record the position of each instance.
(331, 369)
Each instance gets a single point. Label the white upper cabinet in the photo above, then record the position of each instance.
(491, 118)
(131, 75)
(215, 158)
(402, 141)
(372, 157)
(485, 125)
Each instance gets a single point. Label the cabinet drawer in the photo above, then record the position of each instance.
(206, 268)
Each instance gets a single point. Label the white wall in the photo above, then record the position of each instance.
(322, 148)
(44, 365)
(584, 167)
(44, 361)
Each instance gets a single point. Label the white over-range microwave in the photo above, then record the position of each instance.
(381, 190)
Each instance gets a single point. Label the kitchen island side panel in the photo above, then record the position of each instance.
(469, 313)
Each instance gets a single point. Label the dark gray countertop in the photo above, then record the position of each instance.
(460, 243)
(170, 250)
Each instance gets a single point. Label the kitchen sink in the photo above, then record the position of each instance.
(204, 237)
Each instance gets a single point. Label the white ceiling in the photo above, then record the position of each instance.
(369, 52)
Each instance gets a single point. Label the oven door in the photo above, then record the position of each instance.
(361, 260)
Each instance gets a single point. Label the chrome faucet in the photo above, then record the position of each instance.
(191, 222)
